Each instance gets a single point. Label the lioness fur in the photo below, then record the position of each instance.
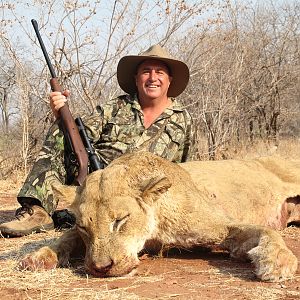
(141, 199)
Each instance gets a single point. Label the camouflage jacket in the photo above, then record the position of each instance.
(117, 128)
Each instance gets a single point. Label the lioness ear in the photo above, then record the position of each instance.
(153, 187)
(65, 193)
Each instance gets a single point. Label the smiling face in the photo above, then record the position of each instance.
(152, 80)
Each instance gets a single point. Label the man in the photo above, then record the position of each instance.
(146, 118)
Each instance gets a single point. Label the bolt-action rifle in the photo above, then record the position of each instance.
(76, 136)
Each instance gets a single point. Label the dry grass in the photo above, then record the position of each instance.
(11, 185)
(186, 280)
(286, 148)
(289, 149)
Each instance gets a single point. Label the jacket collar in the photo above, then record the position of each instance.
(176, 107)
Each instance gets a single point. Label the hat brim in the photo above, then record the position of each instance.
(127, 68)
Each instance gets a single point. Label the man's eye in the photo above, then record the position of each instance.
(118, 223)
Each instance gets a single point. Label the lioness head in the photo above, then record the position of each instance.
(115, 215)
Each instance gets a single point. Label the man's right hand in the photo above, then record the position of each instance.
(58, 100)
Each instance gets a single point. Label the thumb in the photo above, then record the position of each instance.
(66, 93)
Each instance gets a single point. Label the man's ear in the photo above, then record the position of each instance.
(66, 193)
(152, 188)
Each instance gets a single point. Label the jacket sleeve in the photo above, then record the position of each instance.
(95, 123)
(188, 139)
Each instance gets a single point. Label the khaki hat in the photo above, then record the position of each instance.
(127, 68)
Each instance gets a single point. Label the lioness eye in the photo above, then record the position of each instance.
(80, 228)
(118, 223)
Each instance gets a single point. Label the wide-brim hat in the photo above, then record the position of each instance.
(127, 68)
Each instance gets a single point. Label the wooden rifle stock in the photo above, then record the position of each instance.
(68, 122)
(70, 127)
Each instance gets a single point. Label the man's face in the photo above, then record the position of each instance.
(152, 79)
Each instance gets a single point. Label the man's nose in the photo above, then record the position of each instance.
(152, 75)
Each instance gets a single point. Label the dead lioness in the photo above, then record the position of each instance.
(141, 200)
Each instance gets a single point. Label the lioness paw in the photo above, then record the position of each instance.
(273, 263)
(42, 259)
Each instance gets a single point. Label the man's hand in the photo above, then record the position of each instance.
(58, 100)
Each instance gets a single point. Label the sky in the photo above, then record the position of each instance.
(21, 35)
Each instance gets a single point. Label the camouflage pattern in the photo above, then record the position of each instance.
(115, 129)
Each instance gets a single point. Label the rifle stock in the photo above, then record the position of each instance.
(67, 120)
(70, 126)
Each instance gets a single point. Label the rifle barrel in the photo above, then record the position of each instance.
(67, 119)
(36, 29)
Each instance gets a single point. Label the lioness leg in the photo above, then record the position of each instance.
(266, 249)
(57, 254)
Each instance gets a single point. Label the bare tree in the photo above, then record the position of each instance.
(85, 40)
(243, 71)
(243, 57)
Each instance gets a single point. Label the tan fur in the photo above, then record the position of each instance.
(141, 199)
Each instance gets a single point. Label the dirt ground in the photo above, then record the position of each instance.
(177, 275)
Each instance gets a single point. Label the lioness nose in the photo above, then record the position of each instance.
(101, 269)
